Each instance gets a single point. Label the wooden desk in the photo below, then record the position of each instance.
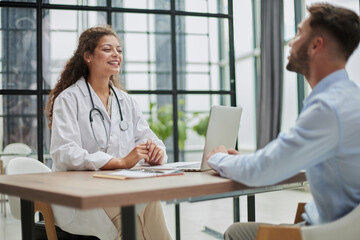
(79, 189)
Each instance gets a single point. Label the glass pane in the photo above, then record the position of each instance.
(243, 14)
(61, 30)
(143, 4)
(202, 53)
(245, 78)
(193, 116)
(147, 50)
(78, 2)
(157, 110)
(18, 120)
(290, 102)
(18, 48)
(205, 6)
(46, 136)
(245, 97)
(289, 20)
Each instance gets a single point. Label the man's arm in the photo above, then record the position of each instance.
(313, 139)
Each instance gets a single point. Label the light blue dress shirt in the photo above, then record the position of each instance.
(325, 141)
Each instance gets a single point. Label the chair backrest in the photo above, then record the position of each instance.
(16, 149)
(23, 165)
(345, 228)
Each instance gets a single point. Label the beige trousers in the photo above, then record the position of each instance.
(151, 223)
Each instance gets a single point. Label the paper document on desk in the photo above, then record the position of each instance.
(165, 166)
(173, 166)
(138, 173)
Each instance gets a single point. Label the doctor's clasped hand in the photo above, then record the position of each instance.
(149, 151)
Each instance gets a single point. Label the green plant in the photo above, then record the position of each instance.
(201, 127)
(161, 122)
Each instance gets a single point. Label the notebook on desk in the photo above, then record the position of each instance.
(222, 129)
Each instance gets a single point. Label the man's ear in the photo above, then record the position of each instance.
(317, 44)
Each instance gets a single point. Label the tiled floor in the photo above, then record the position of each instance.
(274, 207)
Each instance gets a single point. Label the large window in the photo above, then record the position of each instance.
(176, 59)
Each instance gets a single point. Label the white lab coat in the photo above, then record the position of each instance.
(73, 147)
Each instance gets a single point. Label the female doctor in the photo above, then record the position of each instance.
(96, 125)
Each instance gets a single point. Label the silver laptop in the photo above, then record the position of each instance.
(222, 129)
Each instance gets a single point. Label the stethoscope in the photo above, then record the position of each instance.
(123, 124)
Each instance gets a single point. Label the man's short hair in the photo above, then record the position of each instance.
(341, 24)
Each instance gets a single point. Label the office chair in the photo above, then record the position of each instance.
(11, 151)
(345, 228)
(24, 165)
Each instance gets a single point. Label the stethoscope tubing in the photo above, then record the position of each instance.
(123, 124)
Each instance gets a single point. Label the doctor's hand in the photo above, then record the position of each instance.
(156, 154)
(139, 152)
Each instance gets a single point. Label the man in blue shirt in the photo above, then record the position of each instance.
(325, 140)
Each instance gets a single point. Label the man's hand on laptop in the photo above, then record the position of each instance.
(217, 149)
(232, 151)
(222, 149)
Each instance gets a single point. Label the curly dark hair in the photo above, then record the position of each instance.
(76, 67)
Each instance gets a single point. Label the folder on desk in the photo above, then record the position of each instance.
(137, 173)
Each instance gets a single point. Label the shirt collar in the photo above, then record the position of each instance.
(82, 85)
(340, 75)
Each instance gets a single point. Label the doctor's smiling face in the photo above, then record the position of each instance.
(107, 57)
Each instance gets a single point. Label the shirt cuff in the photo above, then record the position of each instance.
(99, 159)
(215, 160)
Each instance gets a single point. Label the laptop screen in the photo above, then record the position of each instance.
(223, 128)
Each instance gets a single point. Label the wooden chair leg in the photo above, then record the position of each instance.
(46, 211)
(2, 167)
(300, 210)
(271, 232)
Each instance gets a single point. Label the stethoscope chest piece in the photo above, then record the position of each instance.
(124, 125)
